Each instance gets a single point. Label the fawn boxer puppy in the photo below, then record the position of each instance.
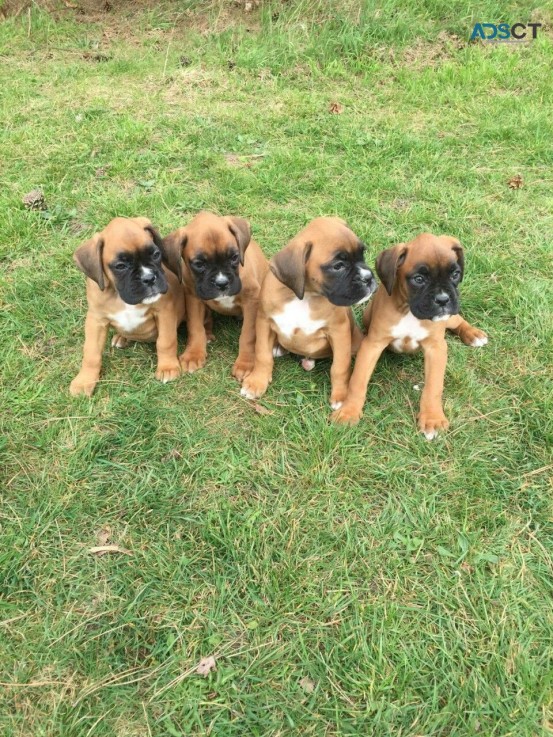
(130, 289)
(223, 271)
(305, 304)
(417, 300)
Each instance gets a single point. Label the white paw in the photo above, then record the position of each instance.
(279, 351)
(336, 405)
(479, 342)
(308, 364)
(431, 435)
(246, 393)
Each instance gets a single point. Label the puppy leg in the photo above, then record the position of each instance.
(208, 325)
(340, 341)
(195, 354)
(95, 331)
(351, 410)
(255, 384)
(168, 366)
(431, 415)
(468, 333)
(246, 345)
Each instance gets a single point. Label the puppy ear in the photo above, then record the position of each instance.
(146, 223)
(241, 230)
(460, 253)
(171, 250)
(289, 266)
(387, 264)
(88, 258)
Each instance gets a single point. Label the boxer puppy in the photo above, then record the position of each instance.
(415, 304)
(223, 271)
(130, 289)
(305, 304)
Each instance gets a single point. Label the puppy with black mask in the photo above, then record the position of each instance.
(305, 304)
(223, 269)
(129, 288)
(415, 304)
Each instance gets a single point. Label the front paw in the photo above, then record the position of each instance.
(168, 372)
(192, 360)
(347, 414)
(254, 386)
(118, 341)
(243, 366)
(431, 422)
(473, 337)
(338, 397)
(82, 384)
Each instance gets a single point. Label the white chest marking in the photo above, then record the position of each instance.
(129, 318)
(410, 328)
(227, 303)
(296, 315)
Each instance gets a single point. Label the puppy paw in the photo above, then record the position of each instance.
(168, 372)
(191, 361)
(473, 337)
(307, 364)
(431, 422)
(82, 385)
(346, 415)
(254, 387)
(118, 341)
(338, 397)
(242, 368)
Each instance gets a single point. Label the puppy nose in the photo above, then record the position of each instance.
(441, 299)
(366, 276)
(148, 279)
(221, 281)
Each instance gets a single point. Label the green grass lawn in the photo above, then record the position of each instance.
(348, 581)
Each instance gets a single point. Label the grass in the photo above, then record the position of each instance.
(348, 581)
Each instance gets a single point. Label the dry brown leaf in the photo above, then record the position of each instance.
(261, 410)
(103, 535)
(307, 684)
(103, 549)
(335, 108)
(206, 665)
(515, 182)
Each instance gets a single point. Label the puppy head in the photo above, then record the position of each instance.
(127, 256)
(325, 258)
(213, 249)
(425, 273)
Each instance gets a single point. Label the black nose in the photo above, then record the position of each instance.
(221, 281)
(148, 279)
(367, 278)
(442, 299)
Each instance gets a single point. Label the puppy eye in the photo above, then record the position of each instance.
(235, 259)
(120, 266)
(198, 264)
(156, 255)
(456, 275)
(418, 279)
(338, 266)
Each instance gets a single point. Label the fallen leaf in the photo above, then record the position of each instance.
(335, 108)
(307, 684)
(515, 182)
(103, 535)
(206, 665)
(261, 410)
(103, 549)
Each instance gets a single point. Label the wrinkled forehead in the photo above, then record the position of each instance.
(210, 242)
(328, 242)
(436, 252)
(125, 237)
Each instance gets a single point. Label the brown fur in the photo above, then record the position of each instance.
(161, 318)
(295, 273)
(389, 306)
(207, 234)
